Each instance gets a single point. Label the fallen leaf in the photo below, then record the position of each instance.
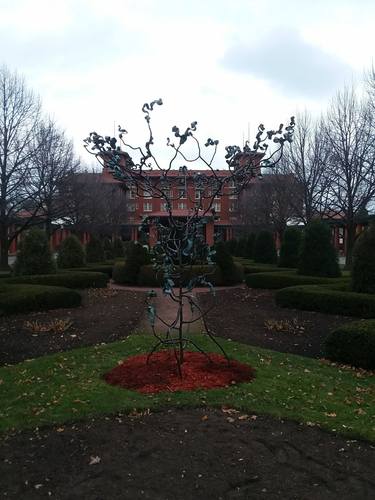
(94, 460)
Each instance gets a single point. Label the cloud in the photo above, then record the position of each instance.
(290, 63)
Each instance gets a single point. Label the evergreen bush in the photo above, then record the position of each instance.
(264, 248)
(127, 274)
(290, 247)
(34, 255)
(71, 253)
(277, 280)
(318, 256)
(231, 246)
(68, 279)
(25, 298)
(118, 248)
(353, 344)
(363, 269)
(108, 249)
(225, 262)
(95, 250)
(250, 243)
(241, 247)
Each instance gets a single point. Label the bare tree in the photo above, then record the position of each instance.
(307, 160)
(94, 205)
(270, 203)
(19, 117)
(54, 163)
(350, 135)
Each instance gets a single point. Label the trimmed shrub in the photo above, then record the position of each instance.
(147, 275)
(72, 279)
(264, 248)
(34, 255)
(353, 344)
(231, 246)
(94, 250)
(127, 274)
(363, 269)
(93, 268)
(229, 271)
(25, 298)
(108, 249)
(71, 253)
(326, 300)
(275, 281)
(118, 249)
(290, 247)
(263, 268)
(318, 256)
(241, 247)
(250, 243)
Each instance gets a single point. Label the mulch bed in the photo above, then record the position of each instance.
(105, 316)
(252, 317)
(161, 373)
(186, 454)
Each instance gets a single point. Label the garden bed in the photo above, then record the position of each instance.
(193, 453)
(251, 317)
(106, 315)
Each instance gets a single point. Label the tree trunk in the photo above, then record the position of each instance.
(4, 247)
(350, 245)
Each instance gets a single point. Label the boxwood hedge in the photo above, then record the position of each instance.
(26, 298)
(327, 300)
(353, 344)
(93, 268)
(71, 279)
(264, 268)
(277, 280)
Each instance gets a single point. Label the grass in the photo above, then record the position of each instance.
(68, 386)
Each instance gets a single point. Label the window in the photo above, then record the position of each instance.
(198, 193)
(182, 206)
(341, 235)
(182, 193)
(147, 206)
(233, 207)
(164, 206)
(146, 194)
(216, 206)
(132, 194)
(130, 207)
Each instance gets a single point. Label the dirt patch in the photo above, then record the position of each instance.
(186, 454)
(105, 316)
(161, 374)
(252, 317)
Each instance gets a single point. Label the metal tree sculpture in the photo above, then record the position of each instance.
(180, 242)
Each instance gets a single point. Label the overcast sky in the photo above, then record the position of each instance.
(227, 64)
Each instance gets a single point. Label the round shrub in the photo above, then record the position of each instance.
(363, 270)
(25, 298)
(290, 247)
(264, 248)
(95, 250)
(71, 253)
(34, 255)
(318, 256)
(353, 344)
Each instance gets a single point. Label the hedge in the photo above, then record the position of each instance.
(353, 344)
(147, 275)
(264, 268)
(70, 279)
(325, 300)
(26, 298)
(277, 280)
(99, 268)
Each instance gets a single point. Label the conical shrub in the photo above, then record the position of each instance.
(363, 269)
(34, 255)
(71, 253)
(95, 250)
(264, 248)
(318, 256)
(290, 247)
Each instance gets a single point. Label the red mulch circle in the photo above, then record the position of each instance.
(161, 373)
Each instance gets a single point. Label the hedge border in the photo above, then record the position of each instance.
(278, 280)
(66, 279)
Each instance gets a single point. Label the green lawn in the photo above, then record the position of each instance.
(69, 386)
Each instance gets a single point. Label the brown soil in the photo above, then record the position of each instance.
(252, 317)
(189, 454)
(105, 316)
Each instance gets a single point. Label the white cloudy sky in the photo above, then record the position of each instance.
(227, 64)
